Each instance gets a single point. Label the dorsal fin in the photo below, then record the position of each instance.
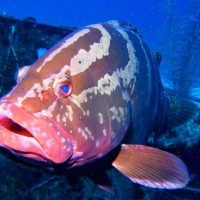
(125, 25)
(157, 56)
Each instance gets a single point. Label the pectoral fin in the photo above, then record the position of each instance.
(151, 167)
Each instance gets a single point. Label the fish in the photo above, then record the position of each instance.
(41, 51)
(75, 103)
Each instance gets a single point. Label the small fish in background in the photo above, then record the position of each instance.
(194, 19)
(76, 102)
(3, 13)
(41, 52)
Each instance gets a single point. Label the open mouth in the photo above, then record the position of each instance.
(17, 137)
(11, 126)
(29, 136)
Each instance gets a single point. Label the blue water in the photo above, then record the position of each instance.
(147, 15)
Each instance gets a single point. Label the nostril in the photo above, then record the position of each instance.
(43, 96)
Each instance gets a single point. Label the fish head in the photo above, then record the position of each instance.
(27, 125)
(47, 115)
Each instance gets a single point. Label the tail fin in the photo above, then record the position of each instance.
(195, 95)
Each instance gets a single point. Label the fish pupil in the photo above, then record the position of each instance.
(65, 88)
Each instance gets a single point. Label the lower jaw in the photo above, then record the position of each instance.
(15, 133)
(37, 138)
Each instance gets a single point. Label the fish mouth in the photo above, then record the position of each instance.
(24, 134)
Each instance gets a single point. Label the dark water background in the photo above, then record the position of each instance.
(171, 27)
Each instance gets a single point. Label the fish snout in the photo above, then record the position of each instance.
(30, 136)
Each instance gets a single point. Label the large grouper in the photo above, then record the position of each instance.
(76, 102)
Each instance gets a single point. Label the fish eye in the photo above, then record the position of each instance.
(63, 89)
(21, 72)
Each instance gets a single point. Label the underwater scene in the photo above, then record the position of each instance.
(100, 100)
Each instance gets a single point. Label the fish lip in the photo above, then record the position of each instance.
(49, 149)
(10, 135)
